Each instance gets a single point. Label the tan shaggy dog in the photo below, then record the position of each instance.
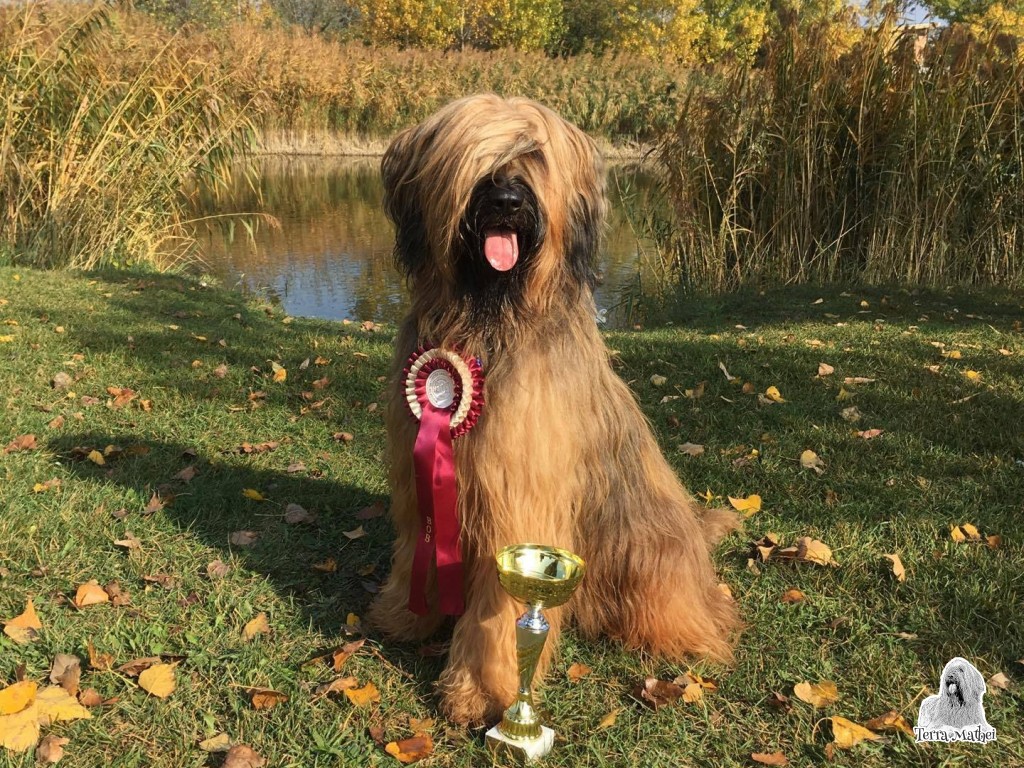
(499, 207)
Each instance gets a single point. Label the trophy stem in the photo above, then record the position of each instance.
(521, 720)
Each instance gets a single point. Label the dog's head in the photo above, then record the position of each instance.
(497, 203)
(962, 685)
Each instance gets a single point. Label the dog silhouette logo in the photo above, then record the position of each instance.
(956, 712)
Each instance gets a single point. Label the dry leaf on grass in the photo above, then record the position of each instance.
(810, 460)
(243, 538)
(793, 596)
(219, 743)
(337, 686)
(363, 697)
(256, 626)
(769, 758)
(51, 749)
(748, 506)
(577, 671)
(14, 698)
(265, 698)
(66, 671)
(773, 394)
(657, 693)
(241, 756)
(897, 567)
(25, 627)
(846, 733)
(609, 720)
(890, 721)
(411, 750)
(90, 593)
(819, 694)
(998, 682)
(691, 449)
(158, 680)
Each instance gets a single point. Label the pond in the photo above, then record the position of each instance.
(330, 253)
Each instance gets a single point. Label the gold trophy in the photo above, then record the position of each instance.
(541, 577)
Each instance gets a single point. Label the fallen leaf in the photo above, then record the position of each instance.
(337, 685)
(57, 705)
(48, 485)
(20, 732)
(294, 514)
(25, 627)
(51, 749)
(769, 758)
(748, 506)
(241, 756)
(343, 437)
(221, 371)
(363, 697)
(219, 743)
(217, 569)
(356, 533)
(417, 726)
(658, 380)
(609, 720)
(819, 694)
(999, 682)
(411, 750)
(21, 443)
(252, 493)
(807, 550)
(368, 513)
(99, 660)
(90, 593)
(96, 458)
(773, 394)
(186, 475)
(724, 370)
(155, 504)
(691, 449)
(66, 671)
(577, 671)
(897, 567)
(90, 697)
(330, 565)
(793, 596)
(265, 698)
(890, 721)
(824, 369)
(135, 667)
(130, 541)
(869, 434)
(995, 541)
(810, 460)
(243, 538)
(158, 680)
(953, 354)
(853, 380)
(697, 392)
(657, 693)
(56, 422)
(280, 373)
(256, 626)
(748, 388)
(846, 733)
(340, 655)
(14, 698)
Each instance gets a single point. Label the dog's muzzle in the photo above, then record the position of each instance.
(503, 220)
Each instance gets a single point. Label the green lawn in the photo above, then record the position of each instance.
(952, 452)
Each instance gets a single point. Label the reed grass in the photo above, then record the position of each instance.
(852, 164)
(103, 123)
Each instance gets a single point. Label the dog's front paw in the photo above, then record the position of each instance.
(468, 701)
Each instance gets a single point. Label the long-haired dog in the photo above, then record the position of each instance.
(958, 703)
(499, 207)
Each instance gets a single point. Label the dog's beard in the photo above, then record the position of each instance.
(499, 235)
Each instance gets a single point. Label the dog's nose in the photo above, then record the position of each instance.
(507, 200)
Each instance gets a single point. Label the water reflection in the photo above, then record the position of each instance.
(331, 256)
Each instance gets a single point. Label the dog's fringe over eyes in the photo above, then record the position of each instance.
(498, 207)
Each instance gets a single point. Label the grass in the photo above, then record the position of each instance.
(951, 453)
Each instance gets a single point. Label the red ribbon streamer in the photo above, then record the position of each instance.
(436, 494)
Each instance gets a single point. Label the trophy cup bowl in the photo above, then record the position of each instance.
(541, 577)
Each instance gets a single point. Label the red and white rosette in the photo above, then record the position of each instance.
(445, 392)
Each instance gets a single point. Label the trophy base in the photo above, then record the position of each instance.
(520, 750)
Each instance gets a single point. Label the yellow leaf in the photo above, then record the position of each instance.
(848, 734)
(280, 373)
(953, 354)
(773, 394)
(897, 567)
(769, 758)
(956, 534)
(824, 369)
(256, 626)
(693, 692)
(158, 680)
(15, 698)
(24, 628)
(609, 720)
(96, 458)
(750, 505)
(6, 339)
(56, 704)
(20, 732)
(810, 460)
(411, 750)
(265, 698)
(365, 696)
(818, 694)
(352, 620)
(90, 593)
(251, 493)
(972, 375)
(814, 551)
(793, 596)
(843, 395)
(970, 531)
(890, 721)
(577, 671)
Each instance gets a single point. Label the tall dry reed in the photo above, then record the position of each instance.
(102, 124)
(832, 163)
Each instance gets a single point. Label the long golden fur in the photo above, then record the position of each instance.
(562, 454)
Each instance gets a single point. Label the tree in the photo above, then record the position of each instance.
(320, 16)
(526, 25)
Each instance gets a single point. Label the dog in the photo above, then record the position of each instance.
(958, 703)
(498, 207)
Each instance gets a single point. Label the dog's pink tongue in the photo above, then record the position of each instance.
(501, 247)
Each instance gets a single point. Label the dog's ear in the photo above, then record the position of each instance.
(399, 172)
(588, 210)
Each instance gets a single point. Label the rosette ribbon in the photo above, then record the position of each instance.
(445, 394)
